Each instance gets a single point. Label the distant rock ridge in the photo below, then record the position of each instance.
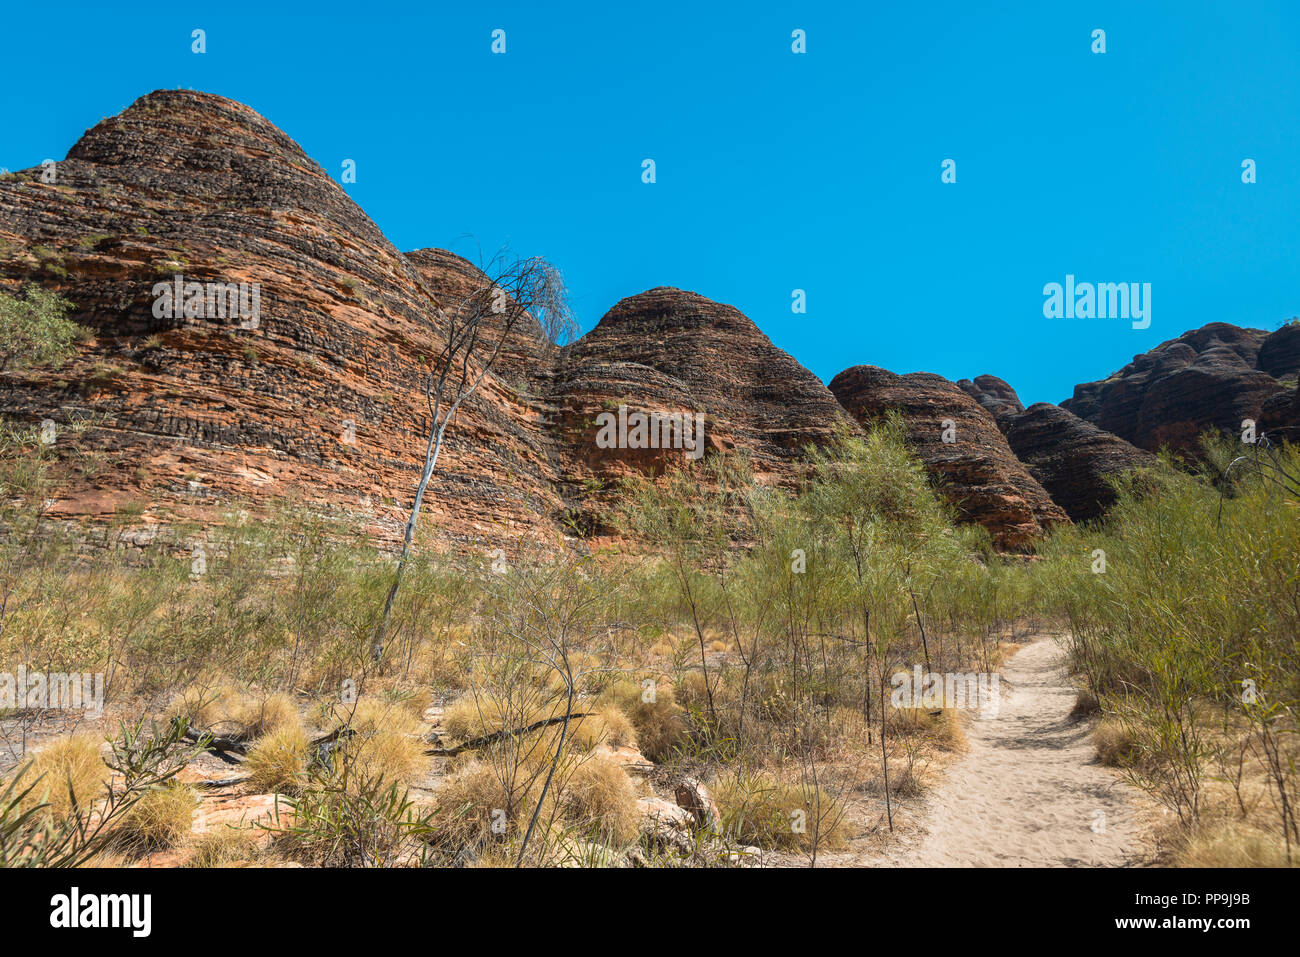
(1207, 378)
(322, 398)
(1074, 460)
(992, 393)
(961, 446)
(1279, 353)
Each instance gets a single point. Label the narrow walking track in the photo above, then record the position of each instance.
(1030, 792)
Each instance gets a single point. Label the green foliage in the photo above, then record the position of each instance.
(1190, 637)
(822, 597)
(770, 622)
(35, 330)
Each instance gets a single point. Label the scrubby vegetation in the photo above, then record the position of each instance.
(35, 330)
(746, 637)
(1184, 620)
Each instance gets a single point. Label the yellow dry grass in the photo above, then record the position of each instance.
(161, 818)
(599, 796)
(278, 761)
(654, 713)
(772, 811)
(223, 847)
(71, 774)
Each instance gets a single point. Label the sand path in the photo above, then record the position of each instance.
(1030, 792)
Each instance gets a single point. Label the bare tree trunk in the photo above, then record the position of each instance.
(430, 461)
(920, 624)
(528, 286)
(559, 752)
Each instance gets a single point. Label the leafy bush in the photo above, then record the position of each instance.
(35, 330)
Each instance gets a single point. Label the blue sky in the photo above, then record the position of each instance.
(775, 171)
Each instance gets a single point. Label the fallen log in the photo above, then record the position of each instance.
(503, 734)
(323, 748)
(219, 783)
(223, 747)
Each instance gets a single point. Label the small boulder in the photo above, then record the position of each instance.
(694, 797)
(666, 825)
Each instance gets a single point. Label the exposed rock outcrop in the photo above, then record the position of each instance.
(671, 352)
(977, 470)
(1279, 353)
(671, 349)
(1072, 459)
(992, 393)
(1279, 419)
(1205, 379)
(322, 396)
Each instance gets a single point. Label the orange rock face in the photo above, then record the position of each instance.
(183, 414)
(321, 396)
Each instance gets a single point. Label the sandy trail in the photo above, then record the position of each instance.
(1030, 792)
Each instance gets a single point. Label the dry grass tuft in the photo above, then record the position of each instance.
(470, 799)
(658, 723)
(763, 809)
(608, 726)
(377, 714)
(415, 702)
(267, 715)
(472, 715)
(162, 818)
(71, 762)
(278, 762)
(1115, 745)
(223, 847)
(600, 796)
(948, 732)
(940, 726)
(224, 708)
(1234, 845)
(1085, 706)
(387, 755)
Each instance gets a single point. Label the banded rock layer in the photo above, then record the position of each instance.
(1208, 378)
(977, 471)
(322, 397)
(1072, 459)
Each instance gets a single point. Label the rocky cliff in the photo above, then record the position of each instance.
(321, 394)
(961, 446)
(318, 392)
(1072, 459)
(674, 352)
(1208, 378)
(992, 393)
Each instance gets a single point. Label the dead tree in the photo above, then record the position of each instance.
(475, 328)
